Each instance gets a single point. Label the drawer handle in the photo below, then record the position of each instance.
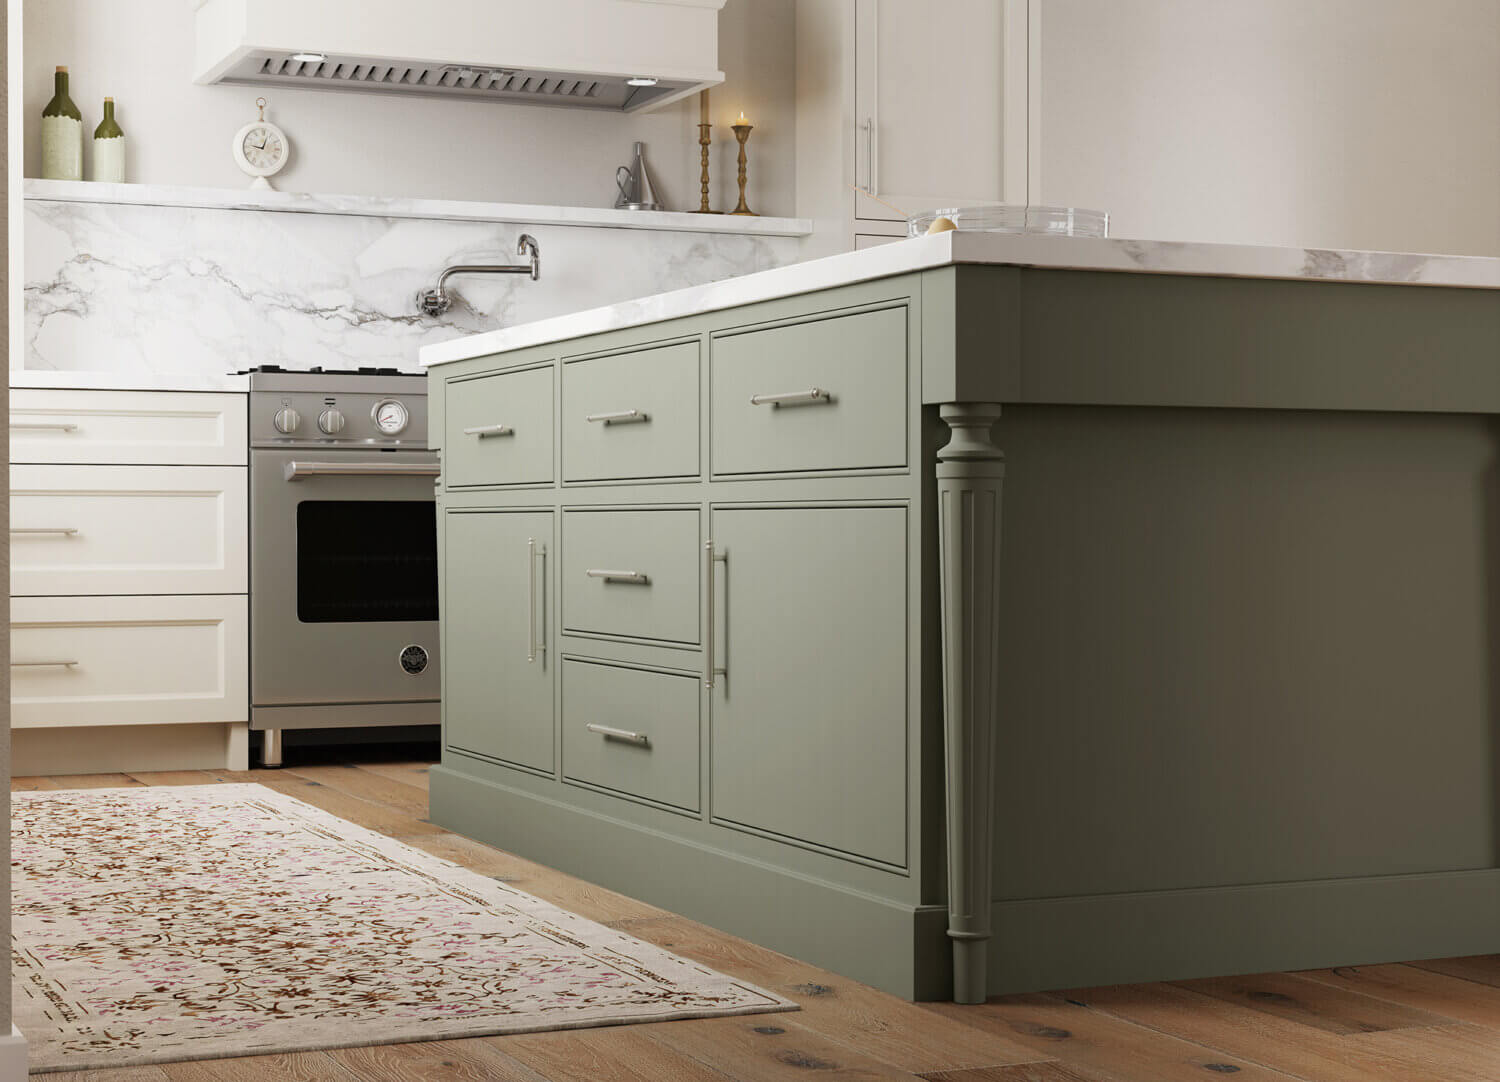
(483, 431)
(710, 670)
(66, 531)
(55, 427)
(610, 733)
(62, 663)
(812, 397)
(624, 417)
(618, 576)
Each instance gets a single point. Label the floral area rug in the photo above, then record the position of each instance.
(163, 923)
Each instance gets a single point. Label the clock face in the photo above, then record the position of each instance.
(263, 147)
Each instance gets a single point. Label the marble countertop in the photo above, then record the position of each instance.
(53, 379)
(369, 206)
(944, 249)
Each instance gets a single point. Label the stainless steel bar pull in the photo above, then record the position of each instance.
(611, 733)
(623, 417)
(792, 398)
(295, 471)
(39, 427)
(485, 431)
(67, 531)
(618, 576)
(709, 669)
(66, 664)
(533, 647)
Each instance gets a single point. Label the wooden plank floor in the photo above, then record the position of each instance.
(1424, 1021)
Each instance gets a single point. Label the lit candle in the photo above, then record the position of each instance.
(742, 119)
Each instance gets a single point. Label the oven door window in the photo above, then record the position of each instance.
(366, 561)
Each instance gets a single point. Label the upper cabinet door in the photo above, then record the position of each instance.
(930, 102)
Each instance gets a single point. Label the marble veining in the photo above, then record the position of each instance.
(170, 289)
(996, 249)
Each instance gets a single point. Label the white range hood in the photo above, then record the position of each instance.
(624, 55)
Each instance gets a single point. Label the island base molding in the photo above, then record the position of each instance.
(901, 949)
(1058, 943)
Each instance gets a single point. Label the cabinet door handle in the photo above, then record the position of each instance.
(611, 733)
(810, 397)
(533, 647)
(870, 155)
(63, 663)
(623, 417)
(709, 669)
(54, 427)
(618, 576)
(483, 431)
(66, 531)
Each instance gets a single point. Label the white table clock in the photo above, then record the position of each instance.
(261, 148)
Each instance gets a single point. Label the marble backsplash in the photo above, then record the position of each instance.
(168, 289)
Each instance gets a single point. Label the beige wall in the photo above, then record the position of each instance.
(5, 992)
(140, 52)
(1330, 123)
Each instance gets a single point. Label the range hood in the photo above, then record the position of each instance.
(622, 55)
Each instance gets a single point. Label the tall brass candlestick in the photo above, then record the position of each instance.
(742, 133)
(704, 141)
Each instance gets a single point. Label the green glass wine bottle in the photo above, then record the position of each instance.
(109, 147)
(62, 134)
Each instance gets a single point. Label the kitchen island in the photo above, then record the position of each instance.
(732, 621)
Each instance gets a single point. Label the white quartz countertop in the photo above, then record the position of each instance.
(997, 249)
(55, 379)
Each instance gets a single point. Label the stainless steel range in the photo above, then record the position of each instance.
(343, 553)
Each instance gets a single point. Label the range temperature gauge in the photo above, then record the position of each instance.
(390, 416)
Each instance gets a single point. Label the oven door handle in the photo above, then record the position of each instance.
(295, 471)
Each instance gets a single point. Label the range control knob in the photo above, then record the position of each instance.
(331, 421)
(286, 420)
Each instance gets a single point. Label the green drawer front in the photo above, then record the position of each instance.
(661, 546)
(645, 736)
(858, 360)
(602, 441)
(499, 429)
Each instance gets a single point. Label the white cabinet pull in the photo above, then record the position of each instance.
(483, 431)
(709, 669)
(54, 427)
(610, 733)
(618, 576)
(624, 417)
(533, 648)
(792, 398)
(66, 664)
(66, 531)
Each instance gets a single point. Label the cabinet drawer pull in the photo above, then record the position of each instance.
(483, 431)
(618, 576)
(710, 671)
(626, 735)
(624, 417)
(533, 647)
(61, 663)
(66, 531)
(793, 398)
(54, 427)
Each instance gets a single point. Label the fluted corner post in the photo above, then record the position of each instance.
(970, 473)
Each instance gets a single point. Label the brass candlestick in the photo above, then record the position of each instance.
(705, 142)
(742, 133)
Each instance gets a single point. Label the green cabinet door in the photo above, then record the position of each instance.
(809, 718)
(497, 618)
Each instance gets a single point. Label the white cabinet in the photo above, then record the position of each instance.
(129, 578)
(924, 105)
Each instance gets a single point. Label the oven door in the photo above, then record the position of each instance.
(343, 577)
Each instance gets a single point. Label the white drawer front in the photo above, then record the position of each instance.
(128, 660)
(127, 427)
(127, 530)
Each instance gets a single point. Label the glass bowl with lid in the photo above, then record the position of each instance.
(1015, 218)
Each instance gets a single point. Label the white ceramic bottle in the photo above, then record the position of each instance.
(109, 147)
(62, 134)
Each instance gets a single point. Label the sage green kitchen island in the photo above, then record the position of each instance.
(731, 622)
